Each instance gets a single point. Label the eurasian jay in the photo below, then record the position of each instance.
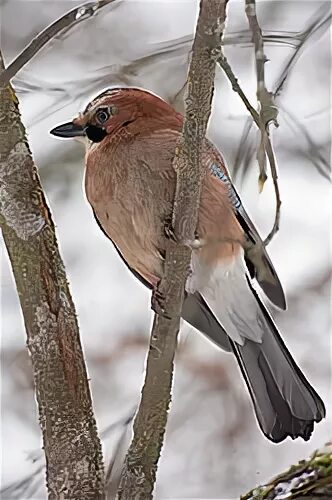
(130, 185)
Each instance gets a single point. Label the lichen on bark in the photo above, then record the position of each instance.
(309, 479)
(74, 464)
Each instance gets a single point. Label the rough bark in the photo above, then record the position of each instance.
(74, 465)
(309, 479)
(139, 472)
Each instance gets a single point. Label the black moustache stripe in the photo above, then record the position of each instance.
(95, 134)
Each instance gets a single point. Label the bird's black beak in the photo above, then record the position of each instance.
(69, 129)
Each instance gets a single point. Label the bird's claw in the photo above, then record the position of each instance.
(194, 244)
(158, 302)
(169, 231)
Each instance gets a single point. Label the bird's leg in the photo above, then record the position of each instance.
(194, 244)
(168, 230)
(158, 301)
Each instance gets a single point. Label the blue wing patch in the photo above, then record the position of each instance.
(217, 172)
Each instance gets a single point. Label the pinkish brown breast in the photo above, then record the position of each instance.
(130, 184)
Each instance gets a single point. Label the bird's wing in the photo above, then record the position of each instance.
(137, 275)
(195, 310)
(257, 259)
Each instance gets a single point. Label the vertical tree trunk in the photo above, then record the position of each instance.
(71, 444)
(139, 472)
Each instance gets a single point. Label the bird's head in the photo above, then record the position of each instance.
(110, 111)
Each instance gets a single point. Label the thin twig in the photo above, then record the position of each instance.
(245, 151)
(313, 152)
(267, 114)
(319, 23)
(223, 63)
(268, 111)
(263, 118)
(113, 473)
(71, 18)
(317, 27)
(20, 488)
(270, 154)
(266, 147)
(139, 472)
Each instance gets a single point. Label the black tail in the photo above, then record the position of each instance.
(284, 401)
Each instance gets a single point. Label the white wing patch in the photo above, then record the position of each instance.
(227, 293)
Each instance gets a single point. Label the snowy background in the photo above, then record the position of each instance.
(213, 447)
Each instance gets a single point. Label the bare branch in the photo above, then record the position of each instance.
(70, 440)
(265, 146)
(113, 472)
(71, 18)
(223, 63)
(270, 154)
(320, 22)
(263, 96)
(267, 114)
(311, 150)
(139, 472)
(245, 151)
(23, 487)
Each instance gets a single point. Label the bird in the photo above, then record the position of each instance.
(131, 135)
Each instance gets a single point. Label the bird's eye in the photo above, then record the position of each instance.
(102, 115)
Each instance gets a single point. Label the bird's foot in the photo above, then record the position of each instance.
(158, 300)
(169, 231)
(194, 244)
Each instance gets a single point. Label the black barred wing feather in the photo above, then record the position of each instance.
(257, 259)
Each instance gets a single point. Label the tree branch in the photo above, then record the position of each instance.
(309, 479)
(267, 114)
(71, 444)
(139, 472)
(71, 18)
(319, 22)
(225, 66)
(268, 111)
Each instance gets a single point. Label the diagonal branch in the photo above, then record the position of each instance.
(139, 472)
(70, 440)
(267, 114)
(225, 66)
(268, 111)
(71, 18)
(320, 22)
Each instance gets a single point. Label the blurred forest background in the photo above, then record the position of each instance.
(213, 448)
